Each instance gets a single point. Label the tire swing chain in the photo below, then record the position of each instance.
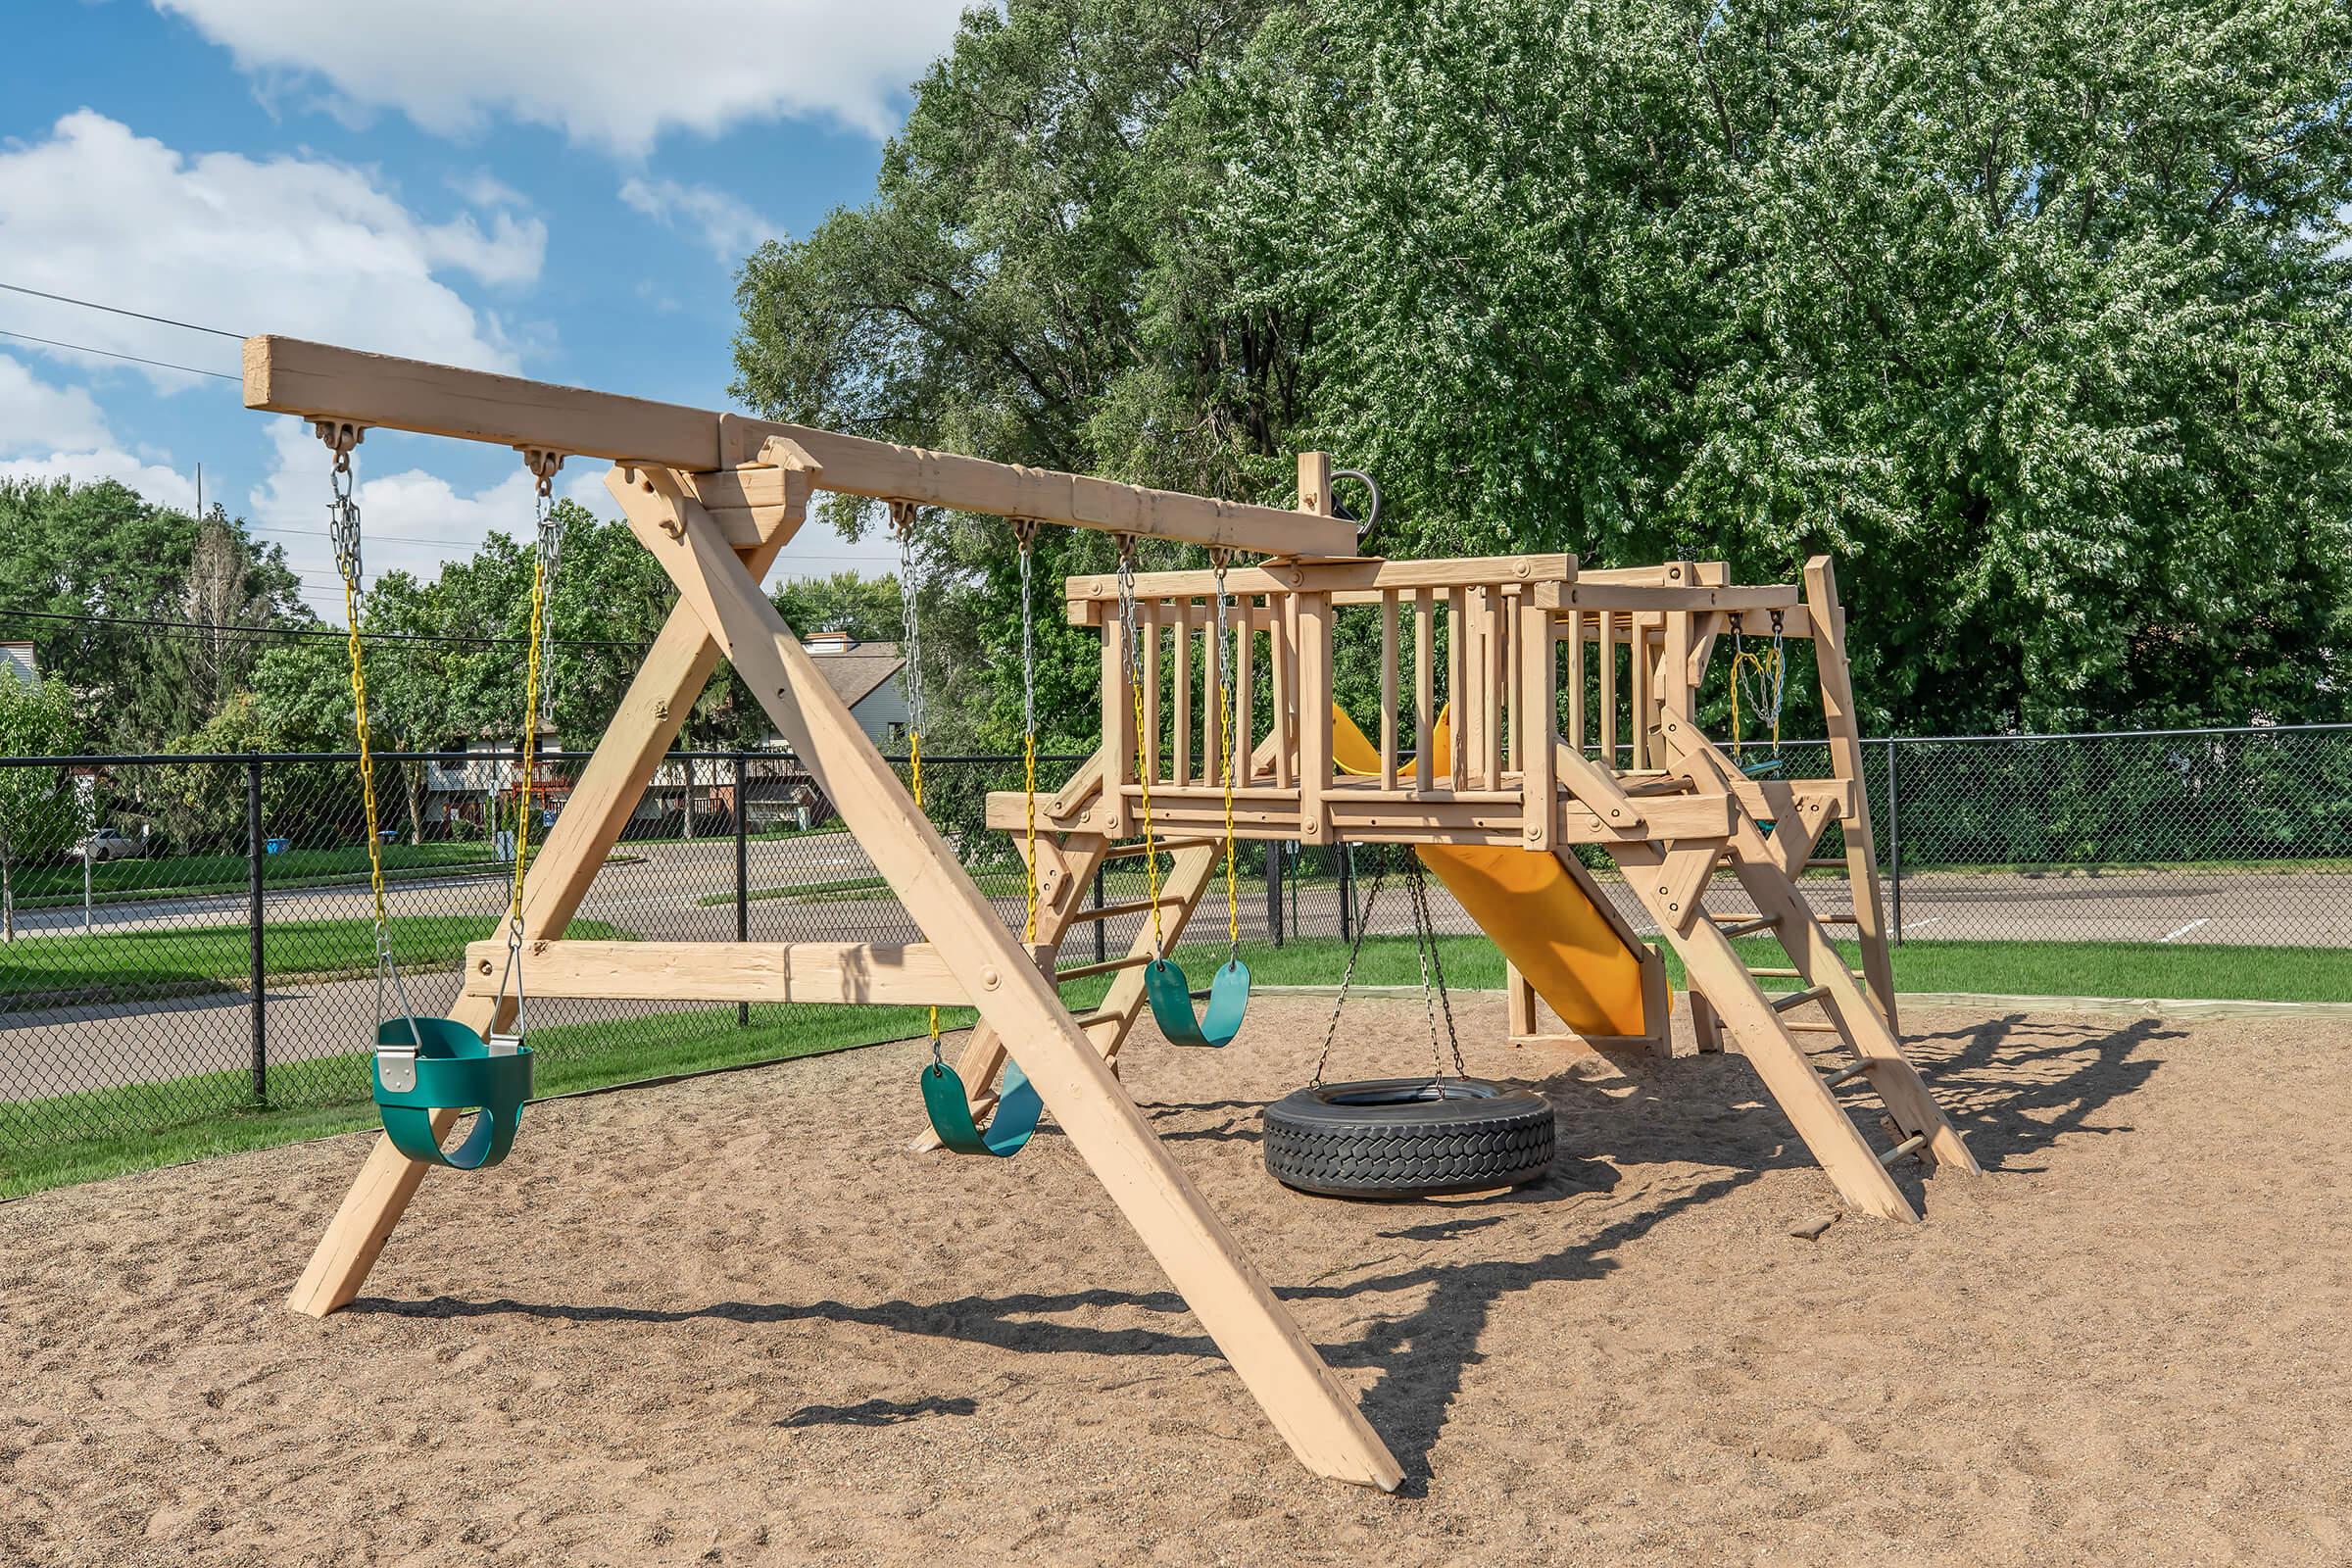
(398, 1067)
(1434, 997)
(1339, 1004)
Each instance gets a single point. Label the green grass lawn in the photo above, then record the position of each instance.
(49, 886)
(146, 1125)
(1999, 969)
(42, 1143)
(171, 959)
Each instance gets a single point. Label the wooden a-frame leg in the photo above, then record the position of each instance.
(1811, 1108)
(1233, 1301)
(645, 724)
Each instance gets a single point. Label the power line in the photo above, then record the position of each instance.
(147, 623)
(117, 309)
(84, 348)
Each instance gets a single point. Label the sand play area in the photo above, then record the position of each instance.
(731, 1321)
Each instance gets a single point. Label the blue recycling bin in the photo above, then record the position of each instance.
(273, 846)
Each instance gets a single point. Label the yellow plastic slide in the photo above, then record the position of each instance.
(1528, 904)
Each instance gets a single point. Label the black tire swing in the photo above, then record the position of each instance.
(1399, 1138)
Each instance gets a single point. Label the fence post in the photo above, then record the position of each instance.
(259, 981)
(1102, 952)
(1895, 843)
(743, 877)
(1347, 891)
(687, 764)
(1274, 890)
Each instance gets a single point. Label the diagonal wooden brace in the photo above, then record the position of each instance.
(1281, 1368)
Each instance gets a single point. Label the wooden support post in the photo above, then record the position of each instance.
(1314, 716)
(1387, 688)
(1537, 707)
(1180, 762)
(1118, 729)
(1576, 681)
(1148, 626)
(1245, 693)
(1845, 752)
(1206, 1262)
(644, 726)
(1519, 995)
(1458, 696)
(1425, 707)
(1606, 621)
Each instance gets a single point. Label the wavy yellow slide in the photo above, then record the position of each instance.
(1528, 906)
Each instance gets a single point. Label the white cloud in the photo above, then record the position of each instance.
(484, 189)
(36, 416)
(612, 74)
(728, 225)
(155, 481)
(294, 245)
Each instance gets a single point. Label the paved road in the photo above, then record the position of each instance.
(656, 890)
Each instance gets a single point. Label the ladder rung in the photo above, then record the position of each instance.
(1130, 851)
(1798, 999)
(1112, 911)
(1133, 960)
(1775, 974)
(1762, 922)
(1086, 1020)
(1909, 1145)
(1850, 1072)
(1822, 862)
(1811, 1028)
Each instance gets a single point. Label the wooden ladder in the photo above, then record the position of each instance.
(1066, 870)
(1675, 882)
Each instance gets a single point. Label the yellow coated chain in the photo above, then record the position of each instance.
(901, 524)
(1143, 767)
(1232, 897)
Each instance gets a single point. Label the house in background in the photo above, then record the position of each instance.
(16, 658)
(864, 676)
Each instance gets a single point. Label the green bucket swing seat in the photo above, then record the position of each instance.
(453, 1069)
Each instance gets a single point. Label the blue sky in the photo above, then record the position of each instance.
(562, 190)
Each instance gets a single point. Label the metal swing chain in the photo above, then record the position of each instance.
(1024, 530)
(548, 545)
(1218, 561)
(1135, 686)
(1764, 677)
(901, 524)
(1425, 944)
(1338, 1002)
(343, 530)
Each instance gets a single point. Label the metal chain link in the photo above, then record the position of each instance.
(901, 524)
(1218, 561)
(1142, 771)
(1024, 531)
(1338, 1002)
(1424, 942)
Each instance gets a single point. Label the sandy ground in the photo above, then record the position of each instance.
(729, 1321)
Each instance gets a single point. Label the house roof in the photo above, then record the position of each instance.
(859, 671)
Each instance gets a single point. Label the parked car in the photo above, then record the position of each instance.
(110, 843)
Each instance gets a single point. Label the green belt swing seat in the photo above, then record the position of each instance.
(1171, 999)
(950, 1111)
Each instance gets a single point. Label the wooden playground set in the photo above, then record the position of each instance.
(1529, 710)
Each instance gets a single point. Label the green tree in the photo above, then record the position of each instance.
(99, 551)
(2027, 312)
(38, 813)
(1028, 285)
(2032, 315)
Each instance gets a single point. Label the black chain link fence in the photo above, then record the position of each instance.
(186, 934)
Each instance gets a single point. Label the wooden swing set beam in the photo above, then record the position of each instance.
(376, 391)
